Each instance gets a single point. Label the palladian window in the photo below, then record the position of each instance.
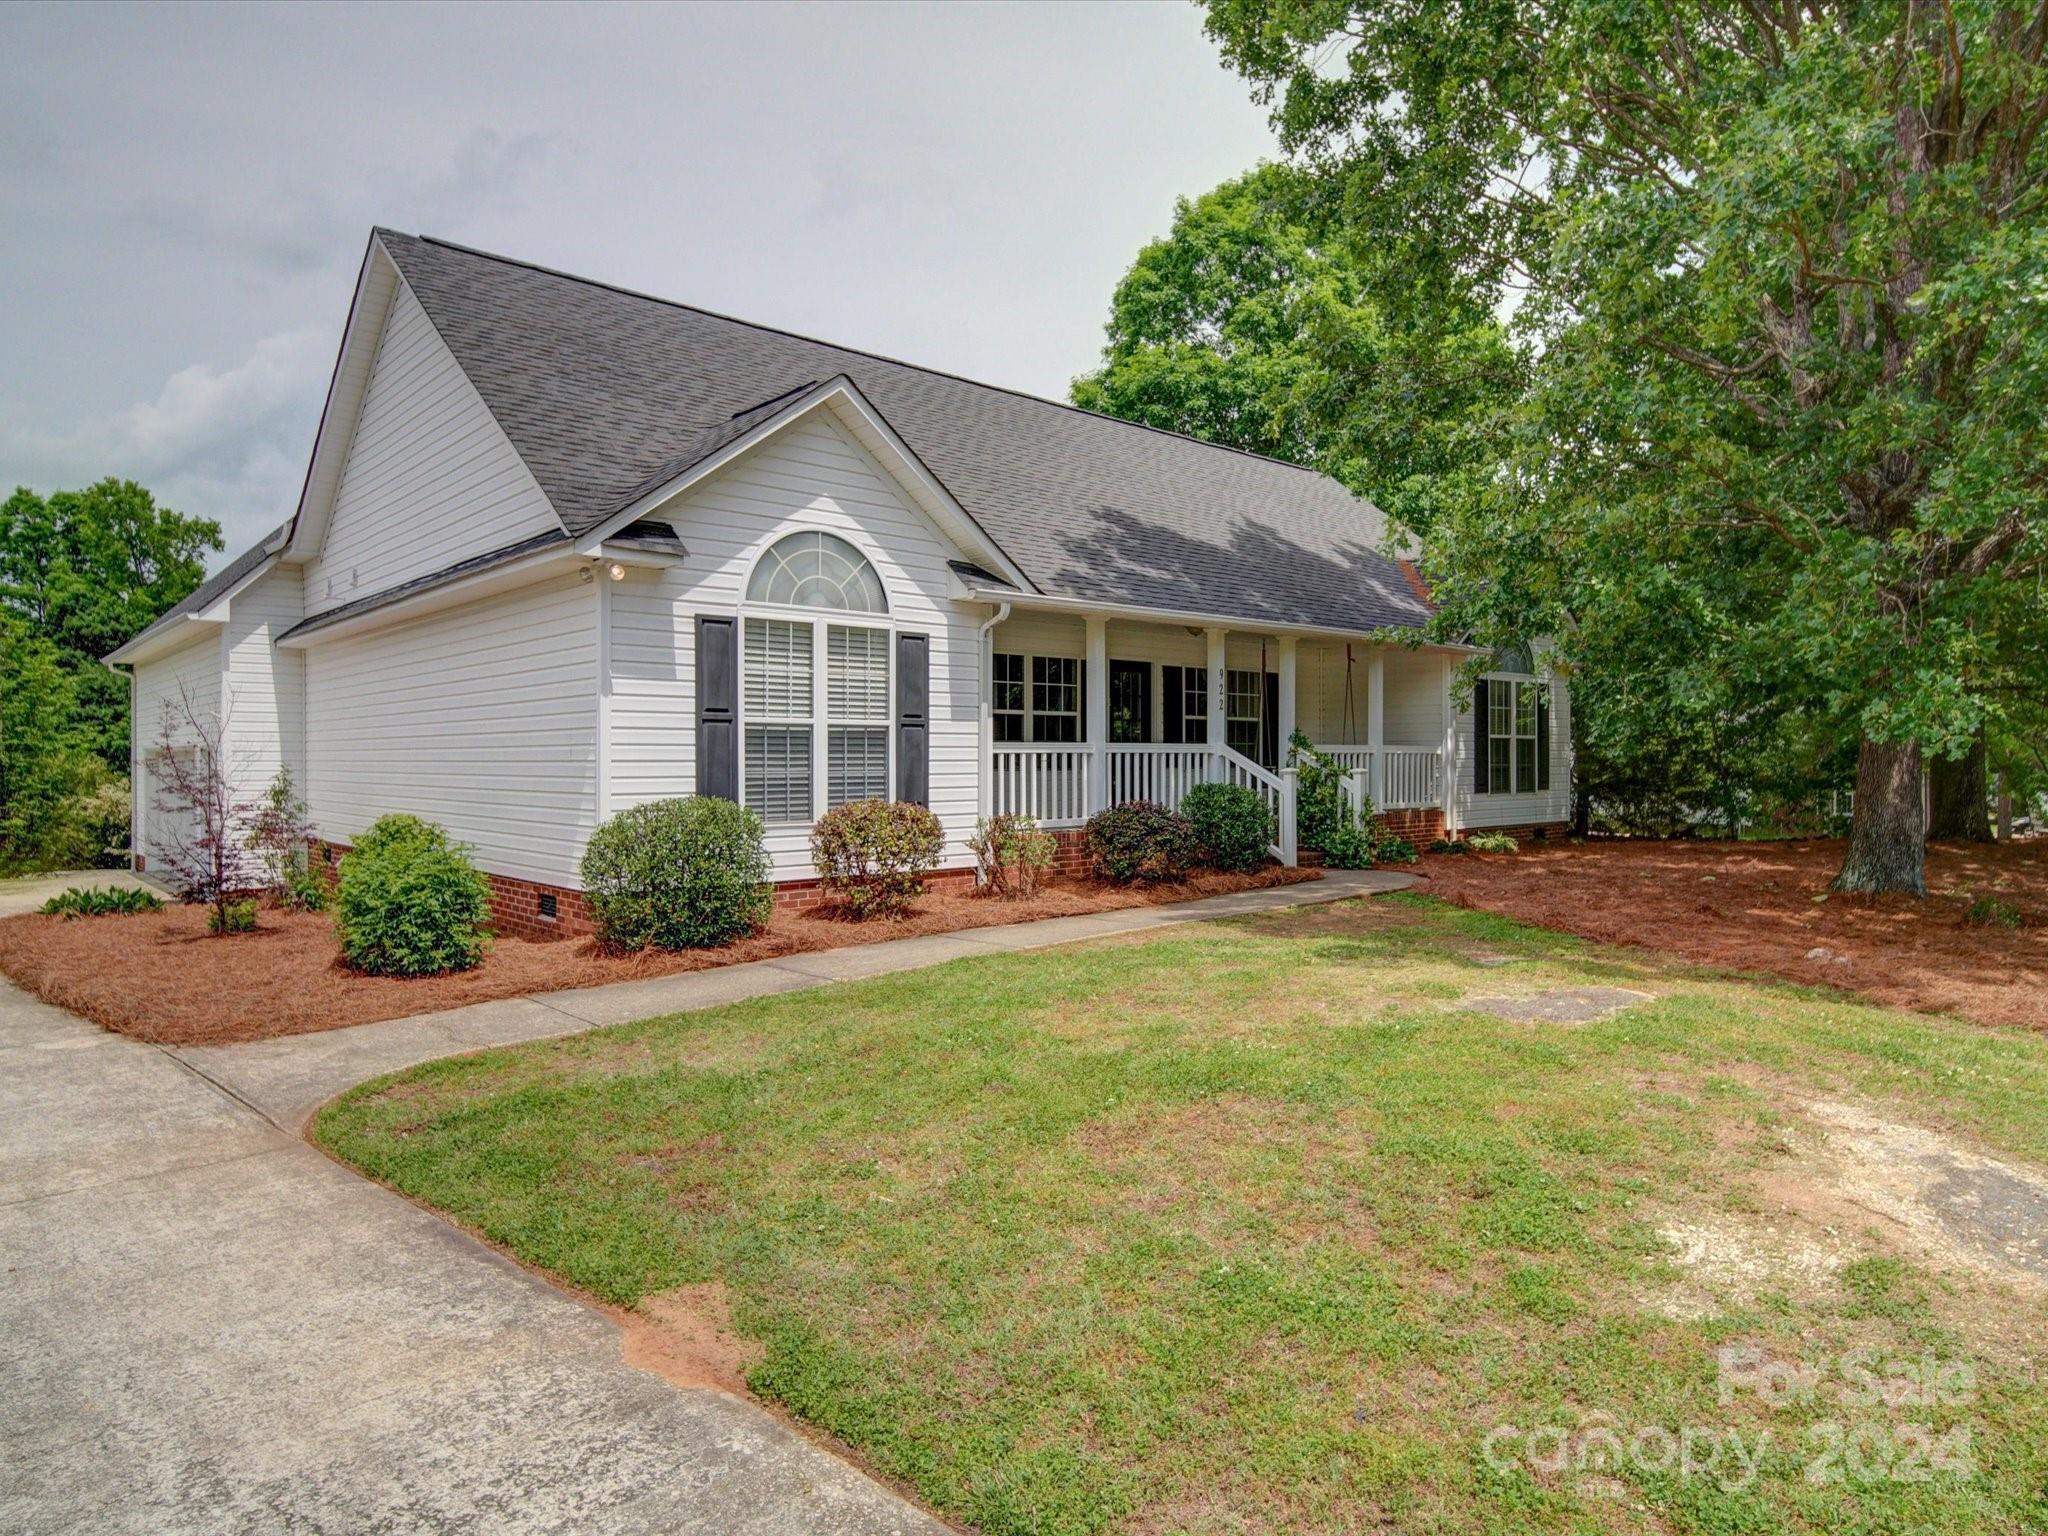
(816, 735)
(817, 570)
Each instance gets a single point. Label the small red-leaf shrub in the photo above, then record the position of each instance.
(1012, 855)
(874, 854)
(1140, 843)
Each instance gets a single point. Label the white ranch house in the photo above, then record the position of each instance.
(563, 549)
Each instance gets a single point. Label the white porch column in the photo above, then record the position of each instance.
(1097, 727)
(1287, 700)
(1376, 726)
(985, 747)
(1450, 748)
(1217, 709)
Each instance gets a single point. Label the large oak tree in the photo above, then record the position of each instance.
(1786, 268)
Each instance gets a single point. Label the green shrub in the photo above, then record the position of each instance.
(304, 891)
(411, 903)
(1450, 845)
(232, 917)
(1395, 849)
(389, 832)
(874, 854)
(101, 901)
(677, 874)
(1492, 842)
(1139, 842)
(1011, 854)
(1231, 825)
(1320, 806)
(278, 833)
(1989, 911)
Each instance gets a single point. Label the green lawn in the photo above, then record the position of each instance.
(1250, 1227)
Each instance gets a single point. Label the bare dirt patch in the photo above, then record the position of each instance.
(686, 1337)
(1560, 1005)
(1730, 1257)
(159, 975)
(1756, 906)
(1847, 1183)
(1945, 1202)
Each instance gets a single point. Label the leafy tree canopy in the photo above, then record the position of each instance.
(1269, 321)
(1784, 269)
(84, 571)
(80, 572)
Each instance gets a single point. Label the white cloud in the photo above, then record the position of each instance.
(222, 442)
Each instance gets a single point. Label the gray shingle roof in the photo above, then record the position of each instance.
(603, 392)
(203, 596)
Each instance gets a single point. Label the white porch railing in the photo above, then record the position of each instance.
(1158, 773)
(1276, 789)
(1051, 783)
(1047, 783)
(1411, 778)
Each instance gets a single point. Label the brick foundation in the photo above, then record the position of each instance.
(515, 904)
(1420, 826)
(797, 895)
(1528, 832)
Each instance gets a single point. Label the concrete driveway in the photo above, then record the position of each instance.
(207, 1327)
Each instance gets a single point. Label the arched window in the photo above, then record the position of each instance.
(816, 695)
(817, 570)
(1514, 658)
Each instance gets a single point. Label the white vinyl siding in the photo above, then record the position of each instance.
(266, 687)
(811, 475)
(482, 718)
(1519, 806)
(162, 688)
(430, 477)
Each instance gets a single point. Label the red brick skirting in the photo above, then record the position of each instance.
(1420, 826)
(1528, 832)
(796, 895)
(517, 906)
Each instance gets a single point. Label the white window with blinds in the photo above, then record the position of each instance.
(856, 714)
(780, 700)
(817, 698)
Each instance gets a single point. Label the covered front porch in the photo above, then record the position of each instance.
(1083, 711)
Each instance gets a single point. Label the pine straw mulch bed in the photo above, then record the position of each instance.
(159, 976)
(1755, 906)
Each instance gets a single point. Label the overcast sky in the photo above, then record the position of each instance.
(189, 189)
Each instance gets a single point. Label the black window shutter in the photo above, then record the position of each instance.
(1081, 700)
(1480, 748)
(718, 689)
(1542, 736)
(913, 718)
(1176, 703)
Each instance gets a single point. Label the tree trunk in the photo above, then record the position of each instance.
(1887, 845)
(2004, 809)
(1960, 791)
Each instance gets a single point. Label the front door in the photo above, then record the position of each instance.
(1130, 701)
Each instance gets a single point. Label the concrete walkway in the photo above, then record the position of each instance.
(206, 1326)
(288, 1078)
